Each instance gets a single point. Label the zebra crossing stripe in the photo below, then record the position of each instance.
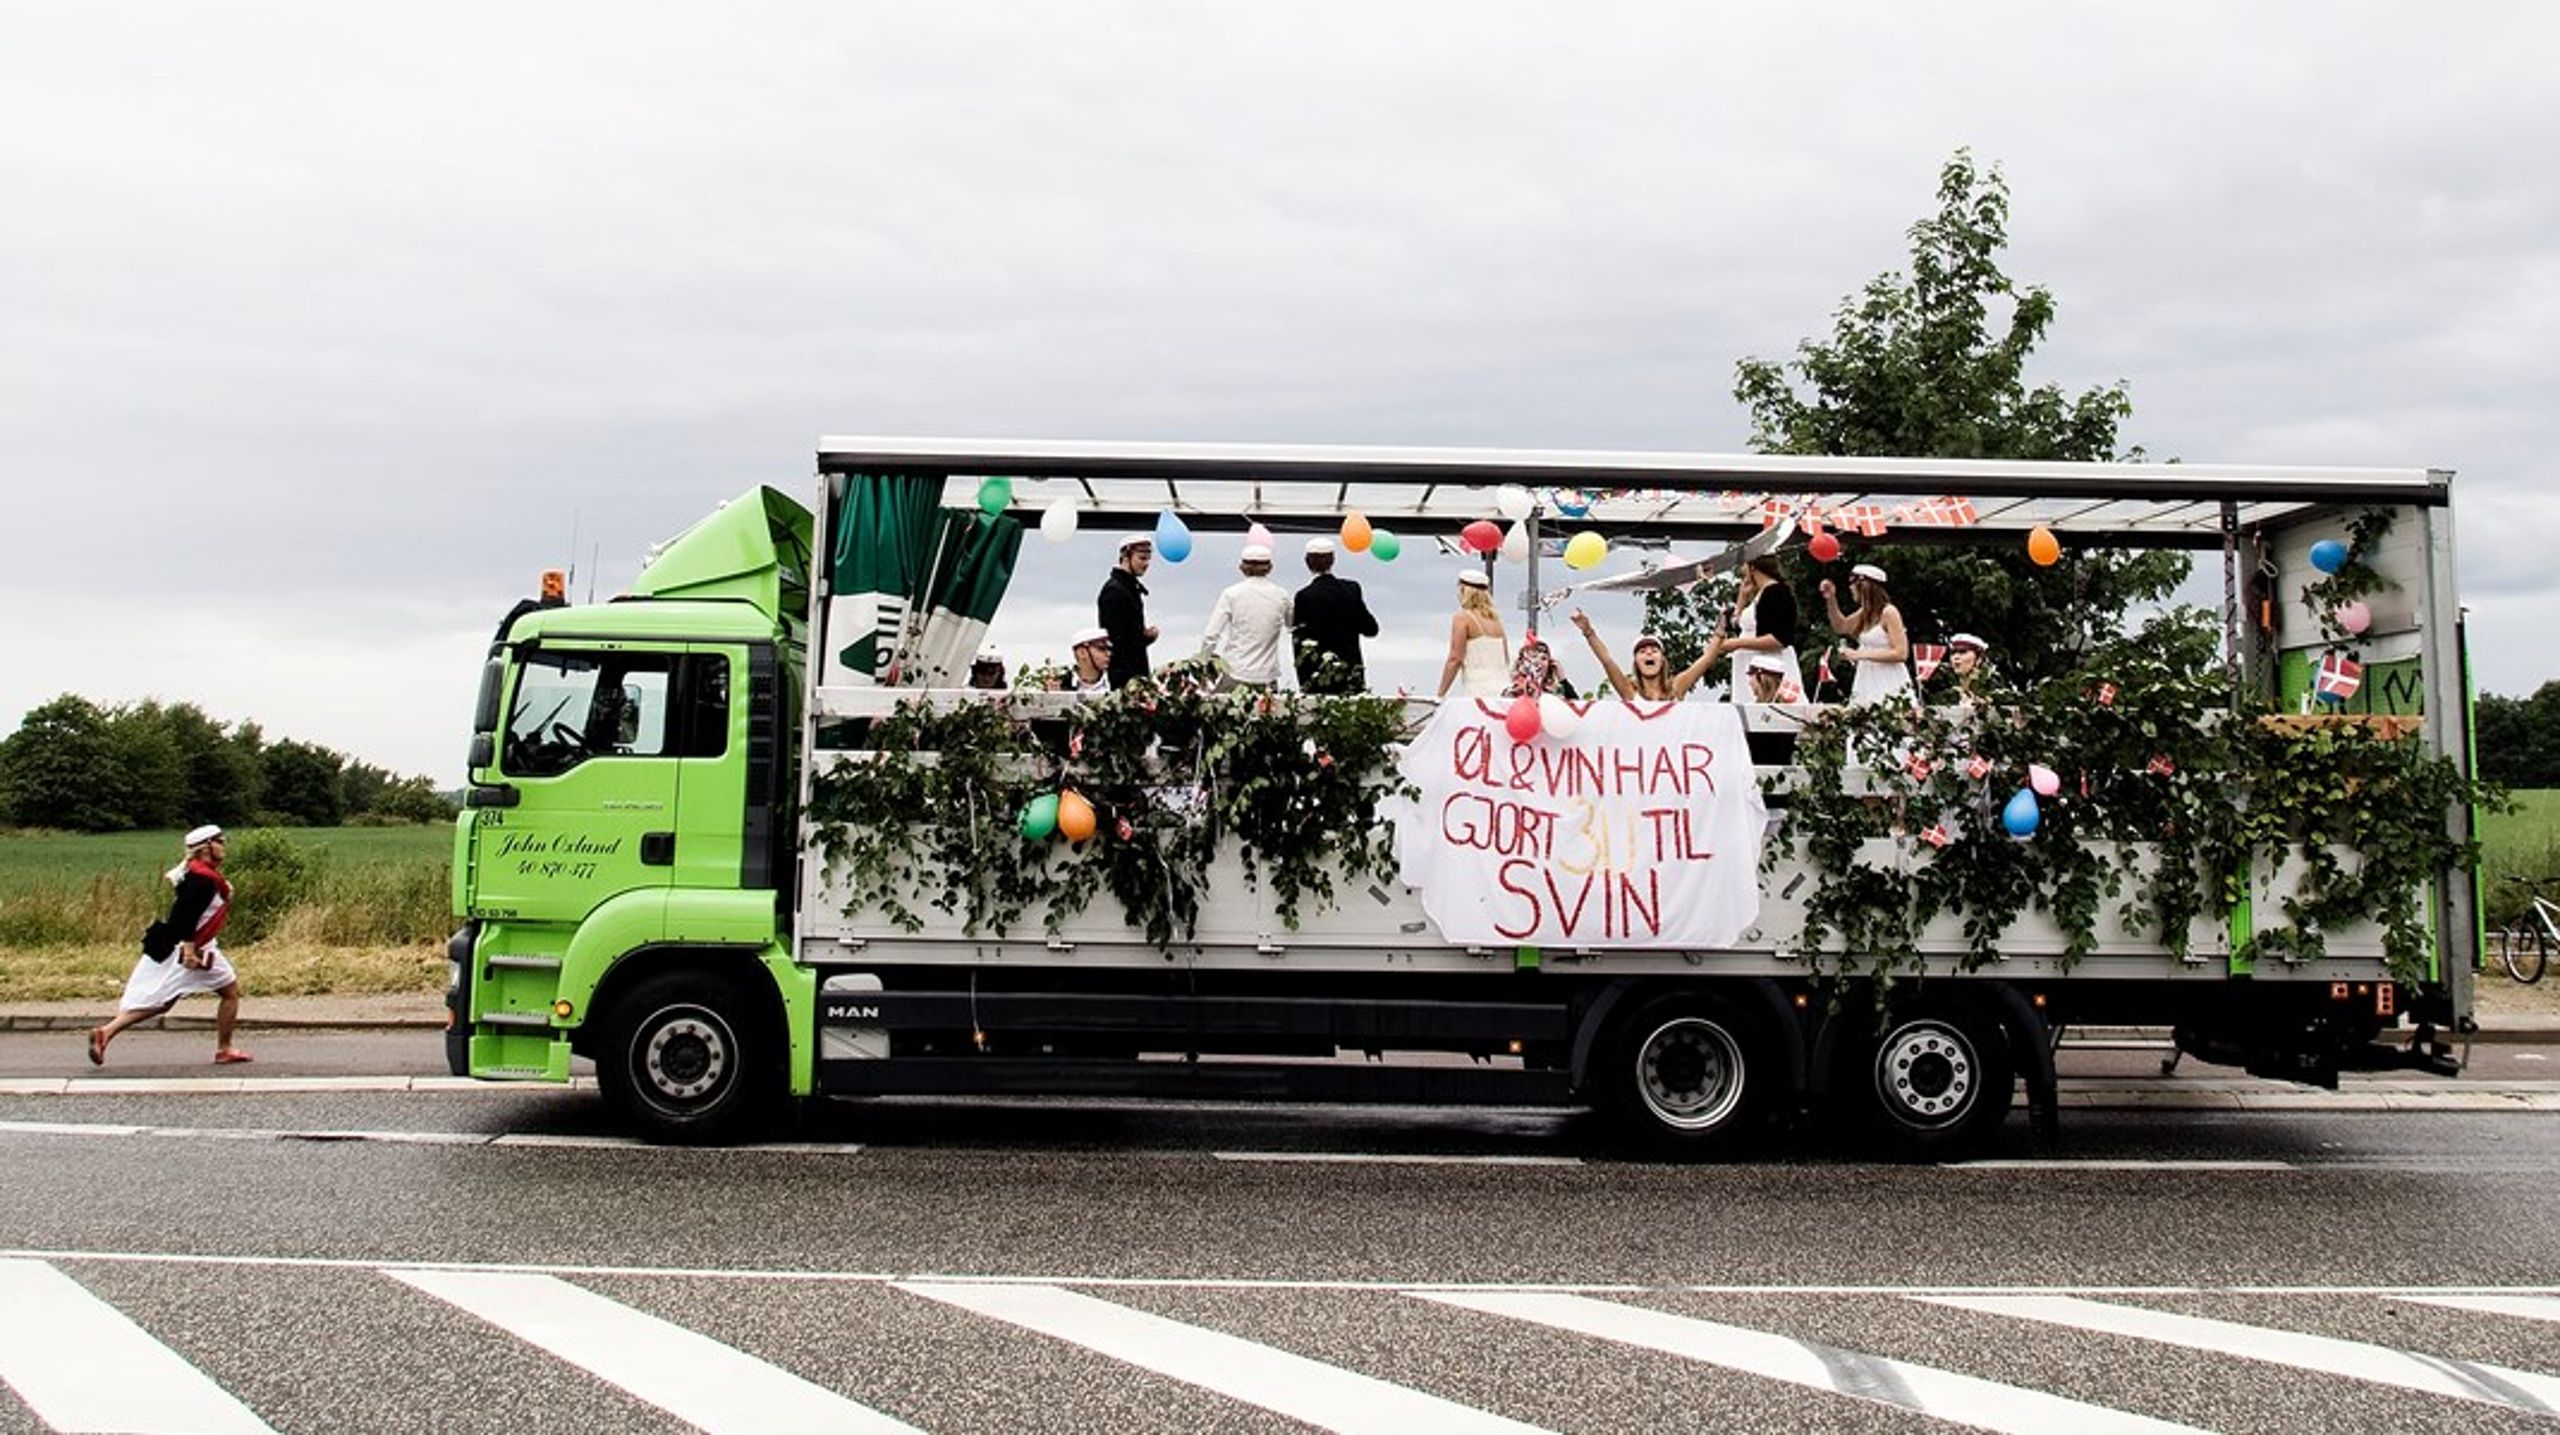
(1326, 1396)
(2326, 1355)
(82, 1365)
(1945, 1394)
(690, 1376)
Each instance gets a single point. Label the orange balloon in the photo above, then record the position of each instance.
(1356, 532)
(2043, 548)
(1075, 816)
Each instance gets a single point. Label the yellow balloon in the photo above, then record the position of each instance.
(1584, 549)
(1356, 532)
(1075, 816)
(2043, 549)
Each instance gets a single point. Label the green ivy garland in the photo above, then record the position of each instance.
(2355, 578)
(1173, 767)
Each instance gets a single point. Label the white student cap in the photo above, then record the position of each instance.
(1767, 663)
(202, 835)
(1319, 545)
(1138, 540)
(1868, 571)
(1968, 640)
(1256, 553)
(1474, 579)
(1644, 638)
(989, 654)
(1090, 635)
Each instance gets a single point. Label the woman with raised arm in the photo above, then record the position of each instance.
(1479, 652)
(1653, 679)
(1882, 654)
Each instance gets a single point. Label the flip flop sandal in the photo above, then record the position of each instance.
(230, 1056)
(97, 1046)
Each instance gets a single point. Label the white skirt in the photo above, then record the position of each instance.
(157, 984)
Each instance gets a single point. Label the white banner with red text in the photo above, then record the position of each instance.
(1639, 827)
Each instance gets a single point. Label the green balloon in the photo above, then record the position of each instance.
(1384, 546)
(995, 495)
(1040, 817)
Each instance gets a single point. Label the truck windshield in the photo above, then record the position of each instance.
(570, 707)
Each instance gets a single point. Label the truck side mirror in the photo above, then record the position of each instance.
(484, 709)
(484, 750)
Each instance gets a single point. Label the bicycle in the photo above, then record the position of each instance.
(2529, 940)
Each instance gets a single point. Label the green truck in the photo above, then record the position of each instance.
(742, 836)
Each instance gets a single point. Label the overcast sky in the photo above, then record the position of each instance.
(324, 327)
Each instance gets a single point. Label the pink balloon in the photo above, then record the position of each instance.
(2354, 616)
(1523, 722)
(1481, 536)
(2043, 779)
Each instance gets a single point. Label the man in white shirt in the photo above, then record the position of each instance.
(1249, 629)
(1092, 653)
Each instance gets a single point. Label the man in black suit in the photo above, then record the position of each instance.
(1330, 620)
(1121, 608)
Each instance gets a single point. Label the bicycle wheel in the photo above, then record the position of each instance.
(2527, 950)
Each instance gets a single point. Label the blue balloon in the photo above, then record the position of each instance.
(1173, 537)
(2022, 815)
(2328, 555)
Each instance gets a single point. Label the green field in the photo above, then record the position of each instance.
(2523, 843)
(33, 859)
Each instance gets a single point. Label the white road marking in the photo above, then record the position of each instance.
(2115, 1164)
(2327, 1355)
(2529, 1307)
(1373, 1158)
(1925, 1390)
(688, 1375)
(82, 1365)
(1326, 1396)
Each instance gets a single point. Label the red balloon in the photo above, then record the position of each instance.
(1824, 547)
(1523, 722)
(1482, 536)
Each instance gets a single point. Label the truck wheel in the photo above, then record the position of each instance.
(1683, 1078)
(1939, 1081)
(687, 1060)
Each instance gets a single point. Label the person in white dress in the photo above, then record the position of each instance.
(180, 956)
(1479, 650)
(1880, 660)
(1249, 627)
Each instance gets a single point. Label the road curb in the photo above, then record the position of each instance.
(178, 1022)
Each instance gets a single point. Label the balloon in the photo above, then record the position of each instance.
(1522, 722)
(1481, 536)
(1558, 717)
(2354, 616)
(1075, 816)
(2043, 779)
(1256, 533)
(2022, 815)
(1515, 544)
(1384, 546)
(1515, 502)
(1173, 537)
(1824, 547)
(1585, 549)
(2042, 547)
(1058, 523)
(995, 495)
(2328, 555)
(1572, 502)
(1040, 816)
(1356, 532)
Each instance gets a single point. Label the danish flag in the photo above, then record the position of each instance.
(1864, 519)
(1925, 658)
(2338, 679)
(1790, 689)
(1937, 835)
(2160, 765)
(1945, 512)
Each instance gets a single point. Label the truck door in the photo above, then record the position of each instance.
(591, 746)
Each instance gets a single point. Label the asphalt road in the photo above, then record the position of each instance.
(313, 1259)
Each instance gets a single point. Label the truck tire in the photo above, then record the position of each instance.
(689, 1060)
(1685, 1076)
(1938, 1081)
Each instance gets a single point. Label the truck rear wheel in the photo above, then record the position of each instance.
(1939, 1081)
(688, 1060)
(1683, 1077)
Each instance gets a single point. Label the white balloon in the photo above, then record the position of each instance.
(1557, 718)
(1515, 544)
(1058, 523)
(1515, 502)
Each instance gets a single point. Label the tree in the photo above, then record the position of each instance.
(302, 783)
(2518, 739)
(57, 765)
(1915, 368)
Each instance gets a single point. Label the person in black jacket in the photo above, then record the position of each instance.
(1121, 609)
(180, 955)
(1331, 619)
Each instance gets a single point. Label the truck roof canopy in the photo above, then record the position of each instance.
(1306, 487)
